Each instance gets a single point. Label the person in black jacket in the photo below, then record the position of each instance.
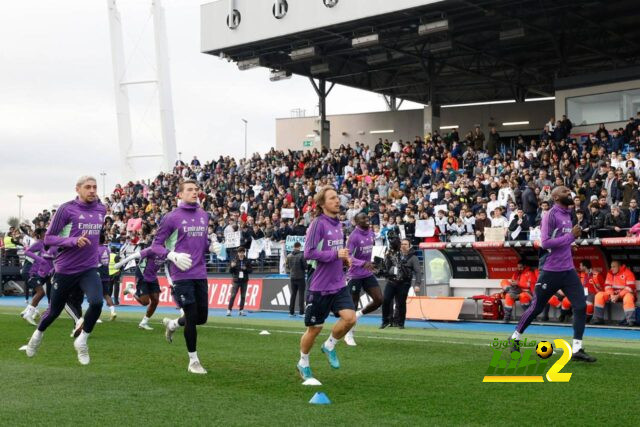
(519, 221)
(297, 268)
(530, 202)
(239, 268)
(399, 266)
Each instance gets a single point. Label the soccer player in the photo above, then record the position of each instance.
(147, 291)
(36, 280)
(182, 239)
(361, 277)
(75, 229)
(620, 286)
(327, 291)
(557, 271)
(104, 255)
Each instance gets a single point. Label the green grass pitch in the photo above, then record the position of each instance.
(410, 377)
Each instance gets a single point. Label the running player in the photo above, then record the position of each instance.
(104, 255)
(182, 239)
(327, 291)
(557, 271)
(36, 280)
(75, 228)
(147, 291)
(360, 246)
(593, 283)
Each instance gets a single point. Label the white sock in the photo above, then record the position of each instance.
(82, 338)
(330, 343)
(577, 345)
(31, 309)
(359, 314)
(37, 334)
(144, 320)
(516, 335)
(174, 324)
(193, 356)
(304, 360)
(113, 309)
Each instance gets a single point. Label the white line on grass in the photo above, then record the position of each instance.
(236, 328)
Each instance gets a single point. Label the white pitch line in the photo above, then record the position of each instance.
(362, 336)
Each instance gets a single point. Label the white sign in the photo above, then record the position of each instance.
(288, 213)
(425, 227)
(439, 208)
(494, 234)
(232, 239)
(467, 238)
(433, 196)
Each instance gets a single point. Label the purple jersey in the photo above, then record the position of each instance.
(104, 255)
(149, 264)
(556, 240)
(360, 245)
(34, 252)
(46, 268)
(73, 220)
(184, 230)
(323, 240)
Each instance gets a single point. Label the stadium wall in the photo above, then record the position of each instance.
(562, 95)
(406, 124)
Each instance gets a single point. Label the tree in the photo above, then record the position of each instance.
(13, 222)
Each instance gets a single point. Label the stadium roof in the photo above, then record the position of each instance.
(490, 50)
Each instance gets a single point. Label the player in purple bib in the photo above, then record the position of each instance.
(75, 229)
(36, 280)
(182, 238)
(361, 277)
(328, 292)
(147, 290)
(557, 271)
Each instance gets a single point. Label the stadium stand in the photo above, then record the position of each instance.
(400, 182)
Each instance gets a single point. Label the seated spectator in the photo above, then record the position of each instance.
(519, 288)
(620, 285)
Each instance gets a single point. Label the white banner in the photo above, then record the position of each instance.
(494, 234)
(288, 213)
(425, 227)
(257, 245)
(467, 238)
(232, 239)
(439, 208)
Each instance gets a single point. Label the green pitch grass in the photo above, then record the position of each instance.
(410, 377)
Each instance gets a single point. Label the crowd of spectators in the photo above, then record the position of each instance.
(474, 181)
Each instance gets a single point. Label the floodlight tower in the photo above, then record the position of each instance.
(162, 80)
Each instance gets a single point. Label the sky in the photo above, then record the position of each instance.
(57, 104)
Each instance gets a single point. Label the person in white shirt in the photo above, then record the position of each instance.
(348, 169)
(493, 204)
(395, 147)
(498, 220)
(505, 193)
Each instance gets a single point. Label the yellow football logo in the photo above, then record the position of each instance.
(544, 349)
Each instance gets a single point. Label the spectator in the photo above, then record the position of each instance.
(615, 222)
(519, 226)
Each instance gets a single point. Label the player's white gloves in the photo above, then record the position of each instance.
(181, 260)
(127, 260)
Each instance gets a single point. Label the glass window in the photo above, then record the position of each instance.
(436, 267)
(603, 107)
